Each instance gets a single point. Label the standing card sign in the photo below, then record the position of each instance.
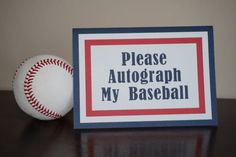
(144, 77)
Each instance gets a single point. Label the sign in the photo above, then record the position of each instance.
(144, 77)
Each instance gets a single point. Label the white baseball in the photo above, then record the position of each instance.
(42, 87)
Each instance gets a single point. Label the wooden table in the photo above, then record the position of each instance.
(21, 135)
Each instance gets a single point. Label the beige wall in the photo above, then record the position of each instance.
(30, 27)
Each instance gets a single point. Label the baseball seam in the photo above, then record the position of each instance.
(28, 83)
(17, 69)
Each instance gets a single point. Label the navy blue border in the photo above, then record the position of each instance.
(76, 92)
(78, 125)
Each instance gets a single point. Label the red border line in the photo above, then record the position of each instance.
(197, 41)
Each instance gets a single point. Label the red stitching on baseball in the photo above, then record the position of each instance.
(29, 80)
(17, 69)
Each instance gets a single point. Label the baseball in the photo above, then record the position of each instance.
(42, 87)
